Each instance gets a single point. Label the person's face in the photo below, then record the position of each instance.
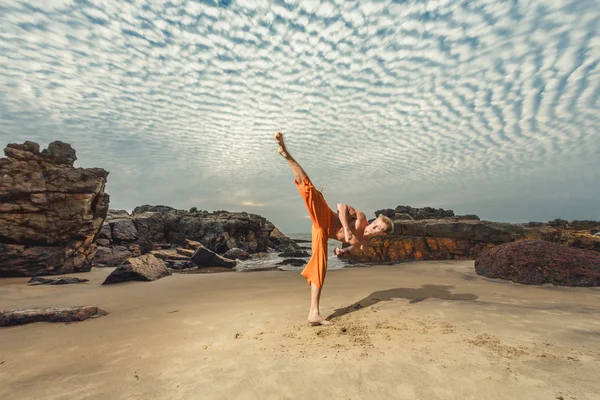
(375, 228)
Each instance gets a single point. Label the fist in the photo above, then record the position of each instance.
(338, 251)
(348, 235)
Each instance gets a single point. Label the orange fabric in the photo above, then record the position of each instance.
(320, 214)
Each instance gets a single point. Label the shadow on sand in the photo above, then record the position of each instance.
(414, 295)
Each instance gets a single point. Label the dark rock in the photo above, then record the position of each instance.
(55, 281)
(204, 257)
(105, 232)
(143, 268)
(123, 230)
(402, 217)
(60, 153)
(417, 213)
(165, 227)
(280, 241)
(112, 255)
(296, 262)
(293, 252)
(61, 314)
(540, 262)
(180, 264)
(236, 254)
(50, 212)
(150, 226)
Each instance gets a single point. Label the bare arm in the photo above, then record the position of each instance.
(351, 249)
(345, 218)
(352, 221)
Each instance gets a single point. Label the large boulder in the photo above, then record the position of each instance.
(538, 262)
(142, 268)
(50, 212)
(204, 257)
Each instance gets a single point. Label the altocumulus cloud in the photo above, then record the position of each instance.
(488, 107)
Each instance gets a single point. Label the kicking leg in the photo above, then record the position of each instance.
(299, 173)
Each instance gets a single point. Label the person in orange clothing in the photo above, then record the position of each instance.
(347, 225)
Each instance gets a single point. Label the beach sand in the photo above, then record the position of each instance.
(422, 330)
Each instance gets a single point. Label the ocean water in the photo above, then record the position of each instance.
(270, 259)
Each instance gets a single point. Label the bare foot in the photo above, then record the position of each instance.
(282, 149)
(318, 320)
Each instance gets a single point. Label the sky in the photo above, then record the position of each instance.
(485, 107)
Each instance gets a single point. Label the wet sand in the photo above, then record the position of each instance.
(423, 330)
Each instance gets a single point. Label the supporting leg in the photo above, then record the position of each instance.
(314, 316)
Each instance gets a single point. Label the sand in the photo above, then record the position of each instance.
(423, 330)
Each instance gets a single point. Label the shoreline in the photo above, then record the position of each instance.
(415, 330)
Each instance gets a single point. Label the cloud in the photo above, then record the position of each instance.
(180, 99)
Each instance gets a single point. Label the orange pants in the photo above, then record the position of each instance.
(321, 216)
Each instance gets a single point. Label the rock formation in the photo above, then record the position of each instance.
(60, 314)
(162, 228)
(538, 262)
(50, 212)
(449, 238)
(411, 213)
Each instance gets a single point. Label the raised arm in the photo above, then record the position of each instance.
(349, 215)
(345, 219)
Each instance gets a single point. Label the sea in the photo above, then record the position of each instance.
(269, 260)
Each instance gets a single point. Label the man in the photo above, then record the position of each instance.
(347, 225)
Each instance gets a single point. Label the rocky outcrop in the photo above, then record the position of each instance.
(411, 213)
(446, 239)
(143, 268)
(539, 262)
(125, 235)
(60, 314)
(455, 239)
(50, 212)
(568, 237)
